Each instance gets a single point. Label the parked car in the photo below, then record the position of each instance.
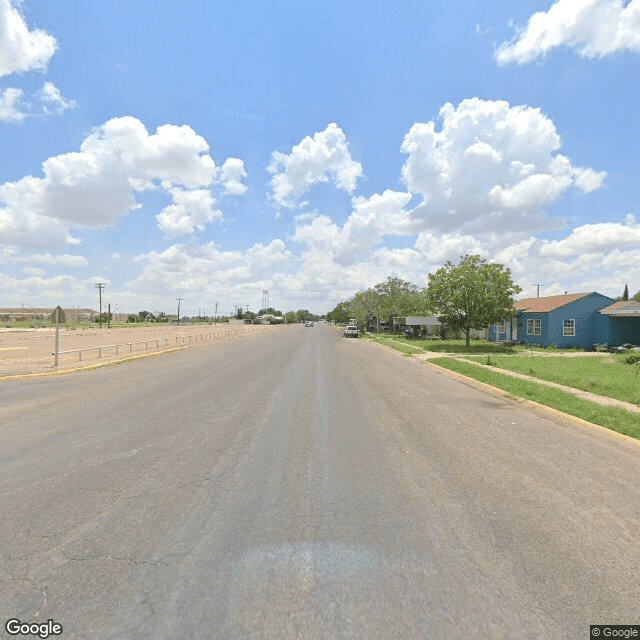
(308, 323)
(351, 331)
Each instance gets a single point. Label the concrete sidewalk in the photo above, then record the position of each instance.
(584, 395)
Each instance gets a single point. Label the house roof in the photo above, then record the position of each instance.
(622, 308)
(548, 303)
(416, 320)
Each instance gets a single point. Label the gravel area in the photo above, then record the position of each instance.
(30, 351)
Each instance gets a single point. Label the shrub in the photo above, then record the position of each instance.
(631, 358)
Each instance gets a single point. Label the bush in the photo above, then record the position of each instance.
(631, 358)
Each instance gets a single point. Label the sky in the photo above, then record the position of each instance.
(211, 151)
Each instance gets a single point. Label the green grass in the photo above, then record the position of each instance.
(442, 346)
(604, 375)
(610, 417)
(396, 342)
(460, 346)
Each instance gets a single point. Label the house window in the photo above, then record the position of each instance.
(502, 327)
(534, 327)
(569, 328)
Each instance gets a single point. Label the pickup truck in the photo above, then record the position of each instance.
(351, 331)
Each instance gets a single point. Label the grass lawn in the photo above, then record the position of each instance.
(460, 346)
(440, 346)
(605, 375)
(399, 343)
(611, 417)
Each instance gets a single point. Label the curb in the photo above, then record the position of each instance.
(107, 363)
(536, 406)
(88, 367)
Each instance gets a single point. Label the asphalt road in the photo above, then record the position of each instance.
(296, 484)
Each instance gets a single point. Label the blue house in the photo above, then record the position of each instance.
(573, 320)
(621, 323)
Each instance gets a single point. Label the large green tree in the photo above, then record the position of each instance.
(393, 297)
(471, 294)
(341, 314)
(397, 298)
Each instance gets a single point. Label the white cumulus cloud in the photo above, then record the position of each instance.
(601, 238)
(22, 50)
(490, 167)
(94, 186)
(191, 209)
(10, 107)
(371, 220)
(323, 158)
(231, 174)
(48, 101)
(208, 270)
(52, 100)
(594, 28)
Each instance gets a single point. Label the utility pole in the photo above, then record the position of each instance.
(179, 300)
(100, 286)
(216, 314)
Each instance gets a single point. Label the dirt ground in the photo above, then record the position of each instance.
(30, 351)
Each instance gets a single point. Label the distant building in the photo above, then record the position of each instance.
(419, 326)
(571, 320)
(43, 315)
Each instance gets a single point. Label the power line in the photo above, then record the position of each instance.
(100, 286)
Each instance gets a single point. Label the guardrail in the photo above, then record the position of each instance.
(117, 347)
(182, 340)
(211, 336)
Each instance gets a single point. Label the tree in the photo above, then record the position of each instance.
(625, 295)
(363, 305)
(397, 298)
(146, 316)
(472, 294)
(341, 313)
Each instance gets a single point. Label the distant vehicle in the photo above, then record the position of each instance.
(351, 331)
(308, 323)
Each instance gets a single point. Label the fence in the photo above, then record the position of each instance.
(179, 340)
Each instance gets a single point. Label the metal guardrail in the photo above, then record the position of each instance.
(211, 336)
(130, 345)
(117, 347)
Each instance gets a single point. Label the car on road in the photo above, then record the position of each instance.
(308, 323)
(351, 331)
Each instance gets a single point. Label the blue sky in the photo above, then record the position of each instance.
(210, 150)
